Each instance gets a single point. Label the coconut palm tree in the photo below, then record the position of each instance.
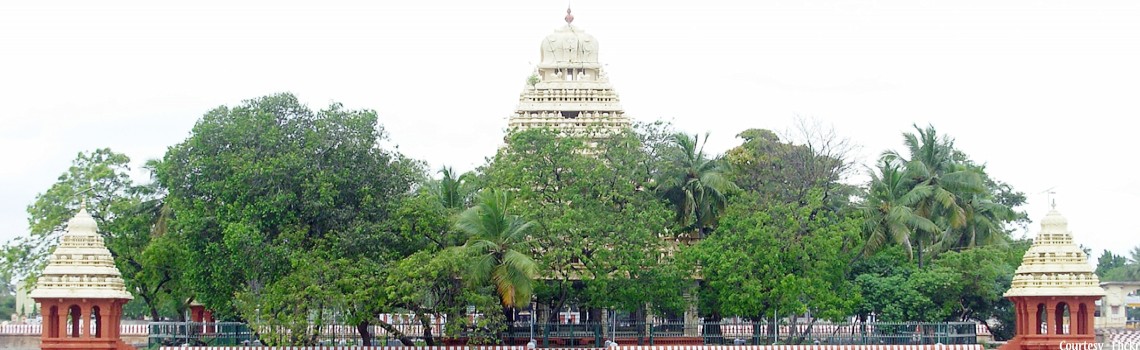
(888, 209)
(930, 162)
(497, 245)
(454, 192)
(697, 188)
(984, 224)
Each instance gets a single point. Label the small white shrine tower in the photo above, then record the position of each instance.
(81, 292)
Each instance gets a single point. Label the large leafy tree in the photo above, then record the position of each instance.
(1120, 268)
(272, 179)
(788, 259)
(599, 227)
(956, 286)
(696, 186)
(814, 158)
(1109, 261)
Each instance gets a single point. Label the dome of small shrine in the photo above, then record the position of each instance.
(1054, 265)
(81, 266)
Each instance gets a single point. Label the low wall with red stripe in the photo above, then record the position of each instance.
(407, 327)
(36, 329)
(634, 347)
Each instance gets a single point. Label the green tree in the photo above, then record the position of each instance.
(7, 296)
(599, 228)
(1109, 261)
(930, 163)
(1128, 271)
(454, 191)
(695, 186)
(788, 171)
(968, 207)
(273, 179)
(887, 210)
(787, 258)
(429, 282)
(989, 213)
(956, 286)
(497, 245)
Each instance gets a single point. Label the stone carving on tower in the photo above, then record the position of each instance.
(569, 91)
(81, 291)
(1053, 291)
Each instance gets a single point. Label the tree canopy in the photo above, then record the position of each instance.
(289, 219)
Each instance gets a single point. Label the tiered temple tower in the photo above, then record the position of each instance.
(1053, 291)
(569, 91)
(81, 292)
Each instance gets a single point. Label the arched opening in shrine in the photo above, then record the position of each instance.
(97, 318)
(1061, 318)
(1042, 316)
(53, 322)
(74, 314)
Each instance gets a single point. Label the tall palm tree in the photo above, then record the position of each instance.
(497, 245)
(983, 226)
(888, 209)
(454, 192)
(930, 162)
(697, 189)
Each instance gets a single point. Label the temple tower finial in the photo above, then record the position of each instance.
(569, 17)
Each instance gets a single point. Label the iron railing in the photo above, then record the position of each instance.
(592, 334)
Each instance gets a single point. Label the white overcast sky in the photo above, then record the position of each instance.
(1044, 92)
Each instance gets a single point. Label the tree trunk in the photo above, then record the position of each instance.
(552, 317)
(404, 339)
(794, 336)
(425, 322)
(153, 313)
(919, 253)
(150, 305)
(807, 330)
(509, 315)
(365, 335)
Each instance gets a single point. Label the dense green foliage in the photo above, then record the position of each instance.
(1112, 267)
(284, 217)
(788, 258)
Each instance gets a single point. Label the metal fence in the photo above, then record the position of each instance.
(199, 334)
(596, 334)
(745, 333)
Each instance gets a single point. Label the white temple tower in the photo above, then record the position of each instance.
(569, 91)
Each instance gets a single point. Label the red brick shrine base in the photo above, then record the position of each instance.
(1045, 322)
(82, 324)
